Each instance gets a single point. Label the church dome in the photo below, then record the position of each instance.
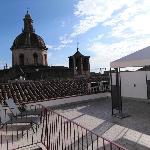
(28, 38)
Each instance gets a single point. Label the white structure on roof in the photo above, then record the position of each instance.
(139, 58)
(134, 84)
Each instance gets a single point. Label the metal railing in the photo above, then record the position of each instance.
(22, 130)
(61, 133)
(55, 132)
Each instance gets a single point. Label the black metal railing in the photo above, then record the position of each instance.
(22, 130)
(60, 133)
(54, 132)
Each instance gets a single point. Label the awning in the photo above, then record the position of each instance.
(139, 58)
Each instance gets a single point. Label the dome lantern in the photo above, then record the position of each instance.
(28, 27)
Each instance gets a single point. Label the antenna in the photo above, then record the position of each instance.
(77, 46)
(27, 10)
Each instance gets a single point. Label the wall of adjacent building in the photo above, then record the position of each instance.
(133, 84)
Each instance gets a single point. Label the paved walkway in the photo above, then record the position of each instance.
(132, 132)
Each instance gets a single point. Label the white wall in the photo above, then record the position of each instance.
(133, 84)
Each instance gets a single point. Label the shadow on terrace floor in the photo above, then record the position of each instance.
(139, 112)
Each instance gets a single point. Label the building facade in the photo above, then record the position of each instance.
(80, 65)
(29, 59)
(29, 48)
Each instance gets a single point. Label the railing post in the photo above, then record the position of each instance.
(46, 129)
(7, 144)
(104, 144)
(97, 141)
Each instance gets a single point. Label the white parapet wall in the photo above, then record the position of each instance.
(66, 100)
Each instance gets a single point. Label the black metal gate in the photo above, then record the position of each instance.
(148, 89)
(116, 96)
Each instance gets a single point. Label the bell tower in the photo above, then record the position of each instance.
(79, 64)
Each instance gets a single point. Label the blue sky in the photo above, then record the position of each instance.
(105, 29)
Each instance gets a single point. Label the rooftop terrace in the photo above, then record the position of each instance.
(132, 132)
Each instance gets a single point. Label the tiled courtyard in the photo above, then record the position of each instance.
(132, 132)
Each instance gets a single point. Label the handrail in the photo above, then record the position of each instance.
(50, 122)
(88, 130)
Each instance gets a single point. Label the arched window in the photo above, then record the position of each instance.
(21, 59)
(45, 59)
(85, 64)
(35, 59)
(77, 62)
(12, 59)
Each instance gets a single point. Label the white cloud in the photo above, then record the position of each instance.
(91, 13)
(105, 53)
(84, 25)
(128, 22)
(97, 38)
(94, 12)
(65, 39)
(64, 42)
(119, 14)
(49, 46)
(131, 22)
(60, 47)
